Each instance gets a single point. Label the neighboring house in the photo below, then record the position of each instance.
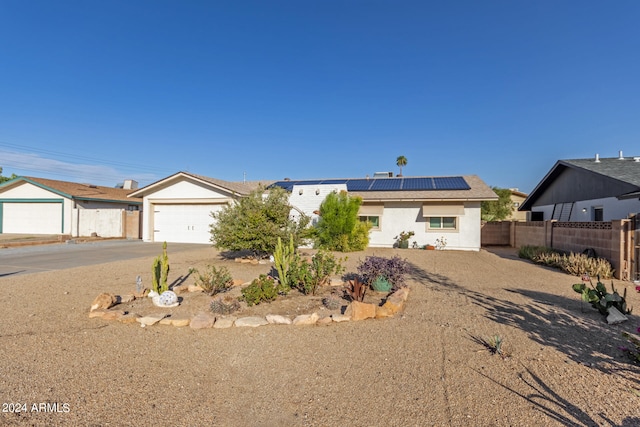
(517, 198)
(596, 189)
(178, 208)
(431, 207)
(31, 205)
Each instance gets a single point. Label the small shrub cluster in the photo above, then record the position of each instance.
(307, 277)
(572, 263)
(263, 289)
(633, 350)
(393, 269)
(332, 302)
(213, 280)
(224, 305)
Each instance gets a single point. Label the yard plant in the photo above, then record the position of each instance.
(339, 228)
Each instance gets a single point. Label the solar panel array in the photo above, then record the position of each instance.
(388, 184)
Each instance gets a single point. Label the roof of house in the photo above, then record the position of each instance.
(422, 188)
(623, 169)
(239, 188)
(77, 191)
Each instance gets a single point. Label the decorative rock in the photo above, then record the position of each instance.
(325, 320)
(202, 321)
(141, 294)
(180, 289)
(224, 322)
(392, 305)
(180, 321)
(360, 311)
(402, 293)
(251, 322)
(306, 319)
(129, 318)
(165, 321)
(113, 314)
(123, 299)
(103, 302)
(615, 316)
(238, 260)
(150, 320)
(276, 319)
(168, 299)
(340, 318)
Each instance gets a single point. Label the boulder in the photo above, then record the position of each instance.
(202, 321)
(615, 316)
(324, 320)
(123, 299)
(180, 321)
(150, 320)
(129, 318)
(104, 301)
(224, 322)
(360, 311)
(276, 319)
(251, 322)
(194, 288)
(340, 318)
(306, 319)
(392, 305)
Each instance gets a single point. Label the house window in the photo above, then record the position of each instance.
(374, 220)
(598, 214)
(442, 223)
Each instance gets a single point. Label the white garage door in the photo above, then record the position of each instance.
(183, 223)
(32, 218)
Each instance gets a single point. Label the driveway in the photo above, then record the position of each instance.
(33, 259)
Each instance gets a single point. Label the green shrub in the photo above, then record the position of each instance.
(309, 276)
(262, 289)
(339, 227)
(531, 252)
(283, 259)
(213, 280)
(572, 263)
(602, 300)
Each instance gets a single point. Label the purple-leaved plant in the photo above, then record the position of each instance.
(393, 269)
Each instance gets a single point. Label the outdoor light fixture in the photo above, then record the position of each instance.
(584, 210)
(317, 191)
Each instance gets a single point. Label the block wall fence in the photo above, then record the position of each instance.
(613, 240)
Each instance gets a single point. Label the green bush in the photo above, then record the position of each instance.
(255, 222)
(213, 280)
(262, 289)
(572, 263)
(339, 228)
(531, 252)
(309, 276)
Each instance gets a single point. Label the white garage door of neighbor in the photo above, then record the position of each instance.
(32, 218)
(183, 223)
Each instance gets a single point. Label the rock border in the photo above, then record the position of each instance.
(355, 311)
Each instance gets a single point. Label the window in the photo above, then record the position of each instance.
(598, 214)
(374, 220)
(442, 223)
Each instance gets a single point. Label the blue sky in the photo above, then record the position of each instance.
(100, 91)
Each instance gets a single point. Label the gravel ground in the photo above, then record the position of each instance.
(424, 367)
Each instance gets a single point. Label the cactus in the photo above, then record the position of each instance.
(224, 305)
(160, 271)
(283, 257)
(332, 302)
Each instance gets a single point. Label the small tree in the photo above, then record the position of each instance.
(339, 228)
(255, 222)
(497, 210)
(6, 178)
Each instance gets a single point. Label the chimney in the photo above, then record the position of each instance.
(620, 155)
(130, 184)
(597, 158)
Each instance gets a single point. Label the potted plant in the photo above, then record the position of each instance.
(403, 239)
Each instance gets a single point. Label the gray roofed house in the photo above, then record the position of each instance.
(595, 189)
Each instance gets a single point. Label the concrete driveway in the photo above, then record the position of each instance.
(33, 259)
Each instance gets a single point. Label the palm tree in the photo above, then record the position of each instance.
(401, 161)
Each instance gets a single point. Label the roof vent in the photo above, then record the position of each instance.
(130, 184)
(383, 175)
(636, 159)
(620, 155)
(597, 158)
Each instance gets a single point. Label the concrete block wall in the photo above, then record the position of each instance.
(496, 233)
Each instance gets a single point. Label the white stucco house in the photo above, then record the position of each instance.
(177, 208)
(430, 207)
(582, 190)
(31, 205)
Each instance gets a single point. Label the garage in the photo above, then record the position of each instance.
(183, 223)
(32, 217)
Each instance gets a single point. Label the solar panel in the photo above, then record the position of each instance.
(287, 185)
(417, 184)
(359, 184)
(385, 184)
(451, 183)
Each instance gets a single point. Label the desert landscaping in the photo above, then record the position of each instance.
(429, 364)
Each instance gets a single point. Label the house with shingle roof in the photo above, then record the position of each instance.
(178, 208)
(595, 189)
(30, 205)
(433, 208)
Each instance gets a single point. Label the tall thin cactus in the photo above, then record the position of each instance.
(283, 257)
(160, 271)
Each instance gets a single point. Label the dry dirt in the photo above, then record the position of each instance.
(423, 367)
